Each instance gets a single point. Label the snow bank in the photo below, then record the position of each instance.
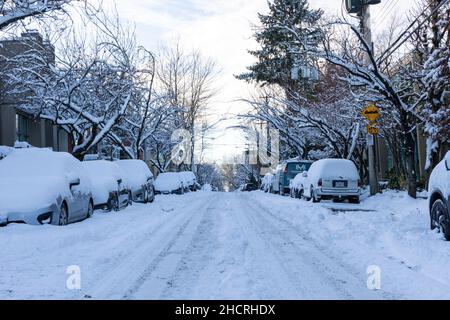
(4, 151)
(390, 230)
(207, 187)
(22, 145)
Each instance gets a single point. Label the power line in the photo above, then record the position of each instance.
(383, 9)
(399, 42)
(386, 14)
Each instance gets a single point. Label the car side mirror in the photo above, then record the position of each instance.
(305, 174)
(119, 181)
(74, 182)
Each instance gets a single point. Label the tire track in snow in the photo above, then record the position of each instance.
(116, 281)
(329, 276)
(269, 264)
(225, 260)
(145, 285)
(196, 257)
(411, 272)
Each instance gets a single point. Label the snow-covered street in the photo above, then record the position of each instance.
(210, 245)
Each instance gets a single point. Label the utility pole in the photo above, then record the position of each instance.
(371, 139)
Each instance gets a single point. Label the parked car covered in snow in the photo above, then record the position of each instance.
(110, 187)
(266, 183)
(140, 180)
(439, 197)
(336, 179)
(40, 186)
(287, 171)
(297, 185)
(190, 180)
(169, 183)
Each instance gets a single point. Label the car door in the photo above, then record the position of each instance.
(75, 203)
(123, 193)
(81, 196)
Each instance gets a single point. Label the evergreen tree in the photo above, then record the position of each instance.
(287, 33)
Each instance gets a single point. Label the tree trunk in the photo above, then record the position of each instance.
(410, 165)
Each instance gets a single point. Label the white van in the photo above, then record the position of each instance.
(336, 179)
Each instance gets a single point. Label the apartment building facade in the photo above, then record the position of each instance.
(17, 124)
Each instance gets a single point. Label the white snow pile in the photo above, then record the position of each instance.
(22, 145)
(34, 178)
(267, 181)
(324, 168)
(390, 230)
(298, 182)
(168, 181)
(4, 151)
(207, 187)
(104, 176)
(137, 172)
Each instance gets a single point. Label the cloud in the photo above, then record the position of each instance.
(221, 29)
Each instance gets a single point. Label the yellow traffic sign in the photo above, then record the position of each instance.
(371, 112)
(371, 129)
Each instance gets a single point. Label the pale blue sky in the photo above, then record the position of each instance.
(222, 30)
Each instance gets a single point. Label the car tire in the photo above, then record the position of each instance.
(130, 198)
(63, 219)
(354, 200)
(145, 195)
(300, 195)
(90, 210)
(152, 195)
(440, 214)
(114, 204)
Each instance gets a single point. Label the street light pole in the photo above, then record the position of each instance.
(371, 139)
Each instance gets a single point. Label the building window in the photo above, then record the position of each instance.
(22, 132)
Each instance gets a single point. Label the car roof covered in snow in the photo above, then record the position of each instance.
(33, 178)
(137, 171)
(333, 168)
(168, 181)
